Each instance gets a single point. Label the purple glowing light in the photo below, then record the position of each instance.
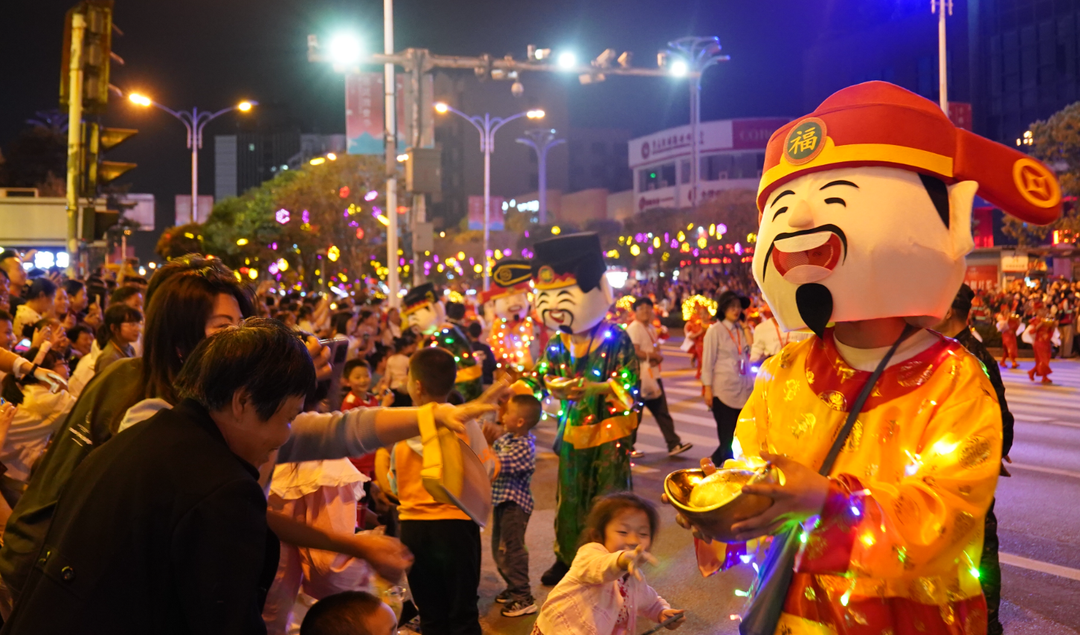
(371, 196)
(282, 216)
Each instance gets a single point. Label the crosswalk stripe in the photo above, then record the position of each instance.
(1044, 470)
(1038, 565)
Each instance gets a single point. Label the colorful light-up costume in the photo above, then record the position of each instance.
(900, 536)
(507, 309)
(420, 311)
(593, 455)
(866, 208)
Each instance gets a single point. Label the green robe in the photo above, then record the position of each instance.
(469, 374)
(594, 433)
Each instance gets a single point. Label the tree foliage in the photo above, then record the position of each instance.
(325, 207)
(1056, 142)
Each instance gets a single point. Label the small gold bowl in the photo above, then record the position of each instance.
(716, 521)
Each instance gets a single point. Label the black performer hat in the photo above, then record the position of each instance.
(418, 296)
(564, 261)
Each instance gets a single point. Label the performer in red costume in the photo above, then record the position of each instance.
(1008, 323)
(865, 221)
(1042, 332)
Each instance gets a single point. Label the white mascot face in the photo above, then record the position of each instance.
(861, 243)
(571, 310)
(425, 318)
(510, 307)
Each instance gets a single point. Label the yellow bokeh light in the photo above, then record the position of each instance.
(702, 242)
(253, 274)
(635, 250)
(242, 241)
(478, 268)
(555, 231)
(656, 242)
(333, 253)
(283, 265)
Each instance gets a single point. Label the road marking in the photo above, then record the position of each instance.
(1041, 567)
(1045, 470)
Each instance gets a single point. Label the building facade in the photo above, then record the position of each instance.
(247, 159)
(732, 153)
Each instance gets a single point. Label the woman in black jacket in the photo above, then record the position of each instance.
(163, 530)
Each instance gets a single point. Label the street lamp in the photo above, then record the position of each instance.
(194, 121)
(691, 56)
(541, 140)
(487, 126)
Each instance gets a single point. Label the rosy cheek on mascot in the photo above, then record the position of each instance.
(506, 307)
(591, 367)
(865, 222)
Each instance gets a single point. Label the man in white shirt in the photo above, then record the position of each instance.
(769, 339)
(646, 343)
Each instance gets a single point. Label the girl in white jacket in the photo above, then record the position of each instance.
(605, 591)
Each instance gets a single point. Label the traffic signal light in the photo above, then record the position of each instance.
(96, 171)
(96, 55)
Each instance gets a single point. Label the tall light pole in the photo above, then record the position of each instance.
(541, 140)
(194, 121)
(692, 56)
(940, 7)
(390, 141)
(487, 126)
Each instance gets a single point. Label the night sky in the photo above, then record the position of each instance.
(213, 53)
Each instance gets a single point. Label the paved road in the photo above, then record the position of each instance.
(1038, 511)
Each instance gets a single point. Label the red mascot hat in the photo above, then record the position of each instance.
(881, 124)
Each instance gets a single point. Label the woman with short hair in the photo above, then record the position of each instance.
(725, 369)
(184, 542)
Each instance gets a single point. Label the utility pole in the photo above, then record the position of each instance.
(390, 138)
(541, 140)
(75, 97)
(940, 6)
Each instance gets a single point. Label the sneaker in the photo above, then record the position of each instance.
(504, 597)
(679, 449)
(552, 576)
(517, 608)
(636, 454)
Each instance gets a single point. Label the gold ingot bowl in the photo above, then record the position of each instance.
(716, 520)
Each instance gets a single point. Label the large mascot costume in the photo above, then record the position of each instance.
(591, 366)
(422, 313)
(865, 221)
(506, 307)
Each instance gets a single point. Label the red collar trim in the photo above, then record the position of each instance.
(838, 384)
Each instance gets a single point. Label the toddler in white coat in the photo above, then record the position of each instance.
(605, 591)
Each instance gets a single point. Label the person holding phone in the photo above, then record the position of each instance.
(725, 369)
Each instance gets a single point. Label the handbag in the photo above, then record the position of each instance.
(774, 577)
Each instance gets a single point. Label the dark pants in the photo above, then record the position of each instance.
(445, 575)
(990, 574)
(508, 549)
(726, 418)
(658, 408)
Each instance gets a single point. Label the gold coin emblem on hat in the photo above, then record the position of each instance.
(1036, 183)
(805, 141)
(546, 274)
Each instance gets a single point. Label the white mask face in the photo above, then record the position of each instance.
(861, 243)
(425, 319)
(510, 307)
(571, 310)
